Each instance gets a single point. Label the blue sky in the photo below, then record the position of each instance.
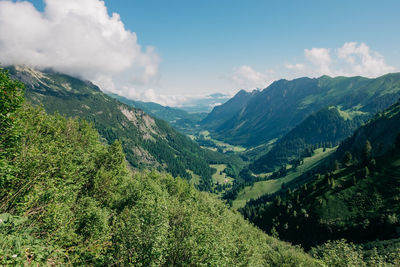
(224, 45)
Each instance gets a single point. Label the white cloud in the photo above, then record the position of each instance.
(77, 37)
(150, 95)
(296, 67)
(362, 60)
(321, 58)
(247, 78)
(349, 60)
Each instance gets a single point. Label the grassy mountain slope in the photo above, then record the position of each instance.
(273, 185)
(277, 109)
(181, 120)
(68, 199)
(381, 131)
(147, 142)
(325, 128)
(358, 200)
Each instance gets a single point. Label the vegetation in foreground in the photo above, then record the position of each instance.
(66, 198)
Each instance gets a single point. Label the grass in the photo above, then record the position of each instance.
(195, 178)
(220, 176)
(350, 113)
(396, 163)
(271, 186)
(219, 144)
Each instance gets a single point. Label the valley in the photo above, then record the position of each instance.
(271, 186)
(303, 179)
(199, 133)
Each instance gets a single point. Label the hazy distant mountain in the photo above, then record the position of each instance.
(205, 104)
(147, 142)
(254, 118)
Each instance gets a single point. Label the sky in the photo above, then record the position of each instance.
(172, 51)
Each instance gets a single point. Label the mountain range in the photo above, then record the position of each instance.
(323, 153)
(253, 118)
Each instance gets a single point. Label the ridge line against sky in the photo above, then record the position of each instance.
(172, 51)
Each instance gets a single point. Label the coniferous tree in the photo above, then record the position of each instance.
(366, 152)
(347, 158)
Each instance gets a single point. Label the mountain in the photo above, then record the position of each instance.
(325, 128)
(69, 199)
(250, 120)
(147, 142)
(180, 119)
(225, 112)
(381, 132)
(357, 199)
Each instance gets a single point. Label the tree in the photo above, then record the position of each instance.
(372, 163)
(398, 141)
(365, 172)
(366, 152)
(11, 98)
(278, 201)
(336, 165)
(347, 158)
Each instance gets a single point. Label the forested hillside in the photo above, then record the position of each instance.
(146, 141)
(69, 199)
(355, 197)
(326, 128)
(257, 118)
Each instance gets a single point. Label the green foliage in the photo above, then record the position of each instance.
(73, 202)
(148, 143)
(338, 254)
(325, 128)
(374, 138)
(347, 158)
(366, 152)
(11, 98)
(341, 253)
(357, 201)
(19, 246)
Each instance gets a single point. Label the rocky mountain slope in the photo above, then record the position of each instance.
(147, 142)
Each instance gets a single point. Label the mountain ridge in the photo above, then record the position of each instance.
(278, 108)
(147, 142)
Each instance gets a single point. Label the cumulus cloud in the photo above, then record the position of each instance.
(349, 60)
(362, 60)
(151, 95)
(320, 57)
(247, 78)
(77, 37)
(297, 66)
